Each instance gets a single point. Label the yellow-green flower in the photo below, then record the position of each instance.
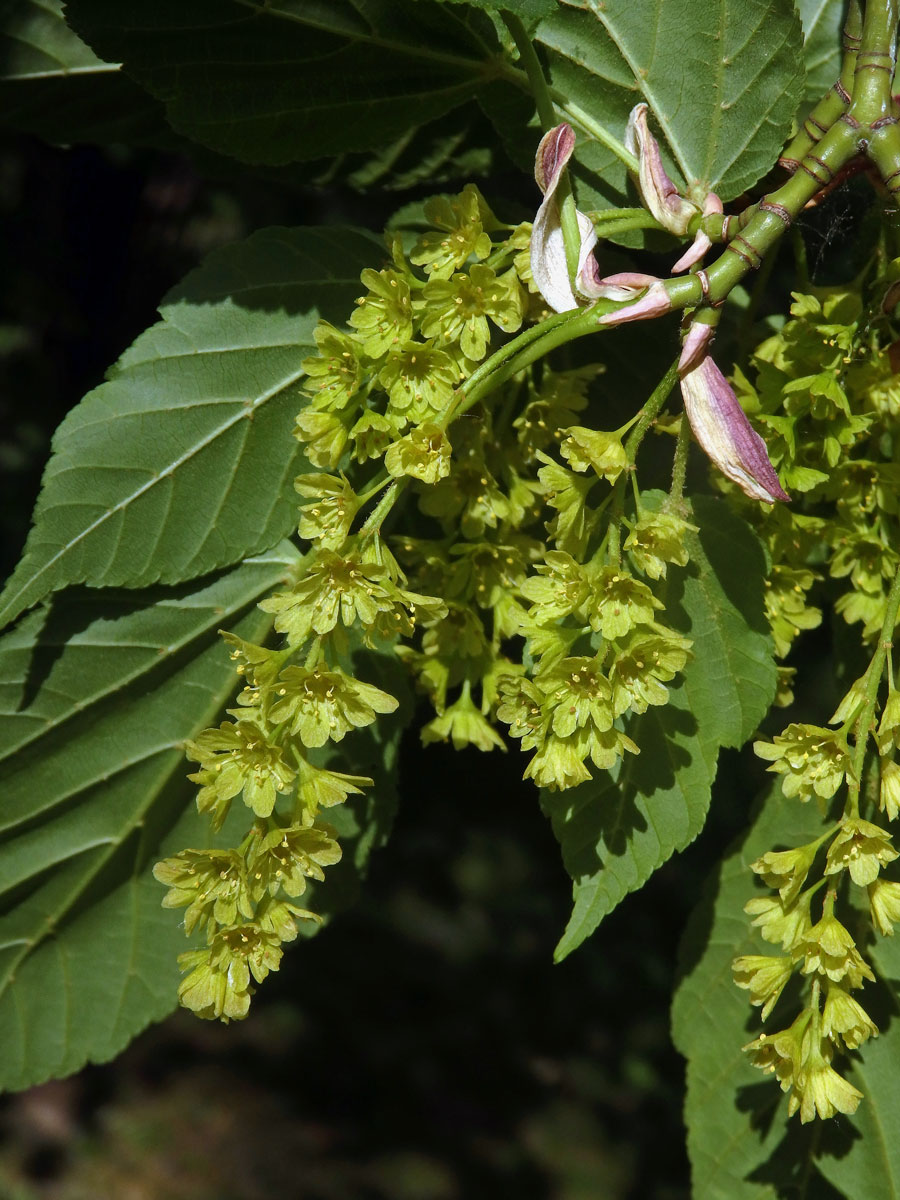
(210, 884)
(324, 435)
(424, 453)
(657, 539)
(419, 380)
(843, 1018)
(764, 976)
(577, 694)
(819, 1091)
(218, 979)
(644, 663)
(463, 725)
(334, 504)
(884, 905)
(620, 602)
(862, 848)
(603, 452)
(786, 870)
(781, 922)
(335, 373)
(459, 221)
(235, 758)
(384, 317)
(283, 859)
(812, 760)
(889, 793)
(559, 589)
(323, 704)
(318, 788)
(335, 589)
(830, 950)
(456, 310)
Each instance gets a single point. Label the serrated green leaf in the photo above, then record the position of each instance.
(183, 461)
(822, 22)
(280, 81)
(722, 79)
(36, 42)
(97, 694)
(732, 679)
(616, 830)
(736, 1116)
(741, 1143)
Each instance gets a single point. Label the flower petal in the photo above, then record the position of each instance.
(654, 302)
(548, 249)
(696, 346)
(722, 429)
(658, 192)
(701, 243)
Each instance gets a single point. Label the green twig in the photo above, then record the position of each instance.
(548, 119)
(679, 463)
(651, 411)
(865, 721)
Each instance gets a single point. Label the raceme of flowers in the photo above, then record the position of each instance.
(825, 389)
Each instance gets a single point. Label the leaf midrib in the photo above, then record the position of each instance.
(124, 681)
(242, 415)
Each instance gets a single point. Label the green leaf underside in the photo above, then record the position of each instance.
(741, 1143)
(36, 43)
(97, 695)
(722, 79)
(53, 85)
(183, 461)
(97, 699)
(295, 80)
(616, 830)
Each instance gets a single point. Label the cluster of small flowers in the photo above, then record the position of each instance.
(384, 390)
(569, 710)
(241, 898)
(815, 761)
(413, 340)
(593, 647)
(825, 388)
(489, 500)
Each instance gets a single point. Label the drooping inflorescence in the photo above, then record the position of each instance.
(518, 592)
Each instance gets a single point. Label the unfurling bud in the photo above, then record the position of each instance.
(549, 267)
(548, 249)
(653, 303)
(721, 427)
(696, 346)
(658, 192)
